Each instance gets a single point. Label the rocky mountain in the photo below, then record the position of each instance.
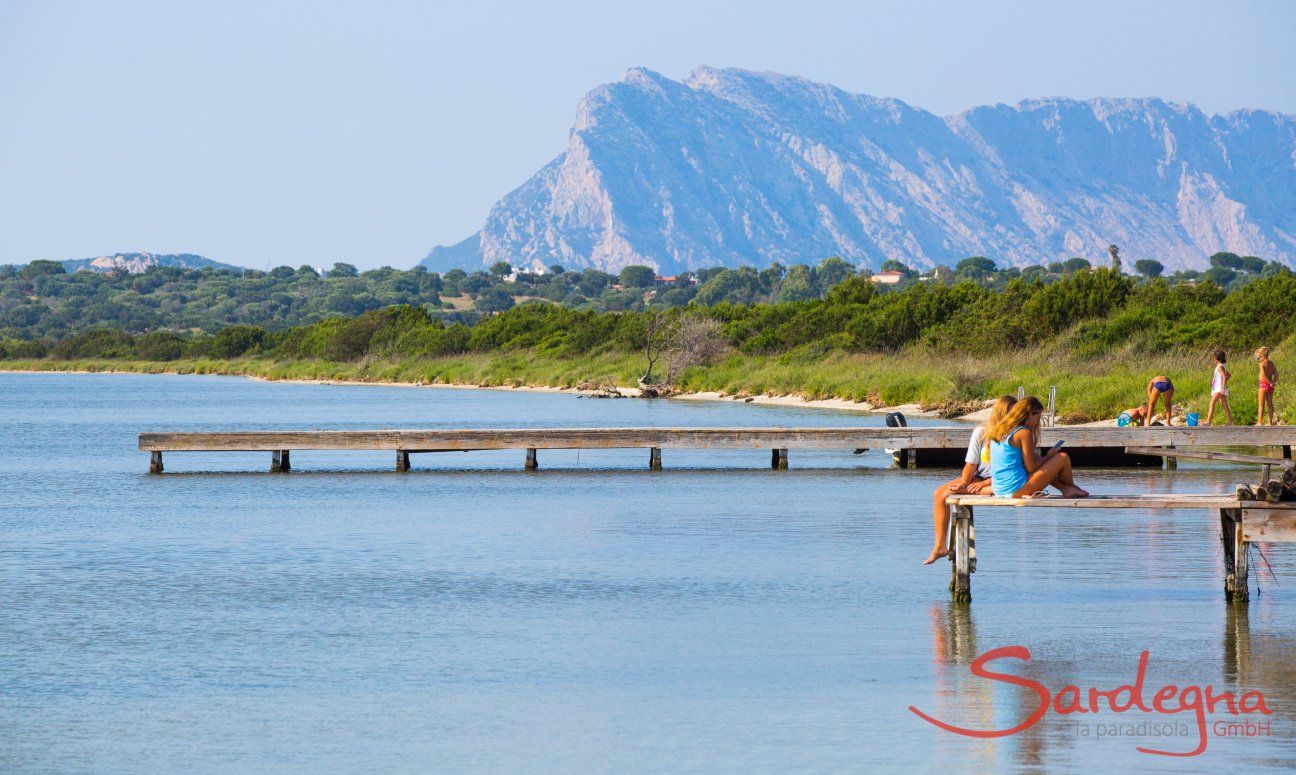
(138, 263)
(732, 167)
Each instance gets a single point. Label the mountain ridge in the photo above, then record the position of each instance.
(728, 167)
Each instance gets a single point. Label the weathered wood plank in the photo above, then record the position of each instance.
(1153, 501)
(1206, 454)
(1274, 525)
(934, 437)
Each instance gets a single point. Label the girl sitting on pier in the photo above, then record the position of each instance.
(974, 480)
(1016, 469)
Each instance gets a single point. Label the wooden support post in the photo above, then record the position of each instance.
(654, 459)
(1236, 589)
(531, 463)
(155, 462)
(402, 460)
(1287, 452)
(961, 552)
(1171, 463)
(901, 458)
(778, 459)
(280, 461)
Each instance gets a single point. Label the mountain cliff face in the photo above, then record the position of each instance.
(731, 167)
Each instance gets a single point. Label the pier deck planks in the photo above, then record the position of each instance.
(932, 437)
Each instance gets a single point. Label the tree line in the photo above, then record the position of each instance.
(1089, 313)
(43, 301)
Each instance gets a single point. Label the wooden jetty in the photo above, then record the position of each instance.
(912, 445)
(1241, 523)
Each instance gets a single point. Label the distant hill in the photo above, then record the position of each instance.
(730, 167)
(138, 263)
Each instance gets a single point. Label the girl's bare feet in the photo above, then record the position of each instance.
(1074, 492)
(935, 555)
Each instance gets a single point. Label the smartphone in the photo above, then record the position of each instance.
(1055, 447)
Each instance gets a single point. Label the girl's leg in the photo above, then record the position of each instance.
(1056, 472)
(940, 518)
(1228, 411)
(1210, 410)
(1151, 406)
(1168, 397)
(1260, 401)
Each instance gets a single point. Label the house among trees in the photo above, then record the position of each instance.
(890, 277)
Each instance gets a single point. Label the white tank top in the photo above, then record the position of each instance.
(1217, 381)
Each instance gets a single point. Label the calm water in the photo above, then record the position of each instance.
(592, 615)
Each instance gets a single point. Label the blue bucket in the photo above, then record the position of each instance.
(1192, 418)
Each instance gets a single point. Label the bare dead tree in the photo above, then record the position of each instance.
(680, 341)
(697, 342)
(659, 332)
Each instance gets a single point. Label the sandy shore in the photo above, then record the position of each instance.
(838, 404)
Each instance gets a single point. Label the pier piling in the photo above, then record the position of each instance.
(779, 459)
(961, 554)
(155, 462)
(280, 462)
(654, 459)
(1236, 588)
(532, 463)
(402, 460)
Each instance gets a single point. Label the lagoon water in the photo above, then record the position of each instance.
(592, 615)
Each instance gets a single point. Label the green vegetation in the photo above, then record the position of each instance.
(1097, 334)
(43, 301)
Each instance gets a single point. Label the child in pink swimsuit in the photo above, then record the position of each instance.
(1268, 381)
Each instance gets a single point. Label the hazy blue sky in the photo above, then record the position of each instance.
(263, 133)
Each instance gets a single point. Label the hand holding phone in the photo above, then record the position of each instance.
(1055, 447)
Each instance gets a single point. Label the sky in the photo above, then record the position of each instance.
(268, 133)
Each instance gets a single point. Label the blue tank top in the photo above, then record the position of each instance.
(1007, 469)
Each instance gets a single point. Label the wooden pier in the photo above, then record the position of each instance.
(1240, 523)
(910, 444)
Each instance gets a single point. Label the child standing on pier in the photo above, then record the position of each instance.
(1159, 387)
(975, 477)
(1219, 388)
(1268, 381)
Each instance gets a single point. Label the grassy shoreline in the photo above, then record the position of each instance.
(1091, 389)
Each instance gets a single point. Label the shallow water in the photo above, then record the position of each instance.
(471, 616)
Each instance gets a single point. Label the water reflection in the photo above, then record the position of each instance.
(1237, 645)
(953, 633)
